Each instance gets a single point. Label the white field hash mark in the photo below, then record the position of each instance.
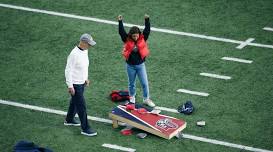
(268, 29)
(167, 109)
(118, 147)
(188, 136)
(193, 92)
(216, 76)
(247, 42)
(236, 60)
(130, 25)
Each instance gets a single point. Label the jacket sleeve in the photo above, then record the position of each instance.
(147, 29)
(68, 70)
(122, 32)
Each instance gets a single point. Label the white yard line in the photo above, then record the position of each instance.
(118, 147)
(167, 109)
(247, 42)
(193, 92)
(192, 137)
(217, 142)
(47, 110)
(130, 25)
(236, 60)
(268, 29)
(216, 76)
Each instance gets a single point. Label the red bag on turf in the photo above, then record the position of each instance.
(119, 95)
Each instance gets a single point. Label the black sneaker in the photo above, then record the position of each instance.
(89, 132)
(72, 123)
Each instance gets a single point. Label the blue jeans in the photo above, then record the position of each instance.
(140, 71)
(77, 105)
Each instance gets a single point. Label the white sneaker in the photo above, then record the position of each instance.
(149, 102)
(132, 100)
(89, 132)
(72, 123)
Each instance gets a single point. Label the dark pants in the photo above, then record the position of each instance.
(77, 105)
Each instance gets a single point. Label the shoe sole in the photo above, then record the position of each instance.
(69, 124)
(90, 135)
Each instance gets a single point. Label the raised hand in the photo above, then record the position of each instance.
(146, 16)
(120, 17)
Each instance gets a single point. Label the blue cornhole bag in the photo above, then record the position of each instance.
(186, 108)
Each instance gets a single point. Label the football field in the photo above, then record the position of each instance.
(217, 54)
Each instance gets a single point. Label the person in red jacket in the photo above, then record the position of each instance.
(135, 51)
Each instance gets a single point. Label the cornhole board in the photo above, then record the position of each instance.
(157, 124)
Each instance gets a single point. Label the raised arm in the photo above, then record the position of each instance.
(147, 29)
(121, 30)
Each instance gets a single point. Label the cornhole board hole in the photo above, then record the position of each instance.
(157, 124)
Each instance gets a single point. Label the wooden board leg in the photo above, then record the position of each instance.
(115, 123)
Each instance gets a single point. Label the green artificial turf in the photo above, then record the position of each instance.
(34, 48)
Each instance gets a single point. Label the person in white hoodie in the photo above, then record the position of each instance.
(76, 74)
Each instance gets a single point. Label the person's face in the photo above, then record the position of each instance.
(135, 37)
(87, 45)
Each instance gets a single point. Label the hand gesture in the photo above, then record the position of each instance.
(120, 18)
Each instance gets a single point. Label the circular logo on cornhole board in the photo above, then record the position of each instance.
(166, 124)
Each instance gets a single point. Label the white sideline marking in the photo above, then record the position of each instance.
(130, 25)
(193, 92)
(192, 137)
(167, 109)
(236, 59)
(217, 142)
(118, 147)
(268, 28)
(247, 42)
(216, 76)
(47, 110)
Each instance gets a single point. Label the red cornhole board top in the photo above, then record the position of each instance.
(161, 125)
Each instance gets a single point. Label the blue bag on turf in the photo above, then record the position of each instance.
(28, 146)
(186, 108)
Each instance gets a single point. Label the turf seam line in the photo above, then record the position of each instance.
(188, 136)
(119, 147)
(215, 76)
(213, 38)
(236, 60)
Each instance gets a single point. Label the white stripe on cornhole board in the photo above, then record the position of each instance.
(120, 107)
(193, 92)
(268, 29)
(215, 76)
(118, 147)
(247, 42)
(236, 60)
(192, 137)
